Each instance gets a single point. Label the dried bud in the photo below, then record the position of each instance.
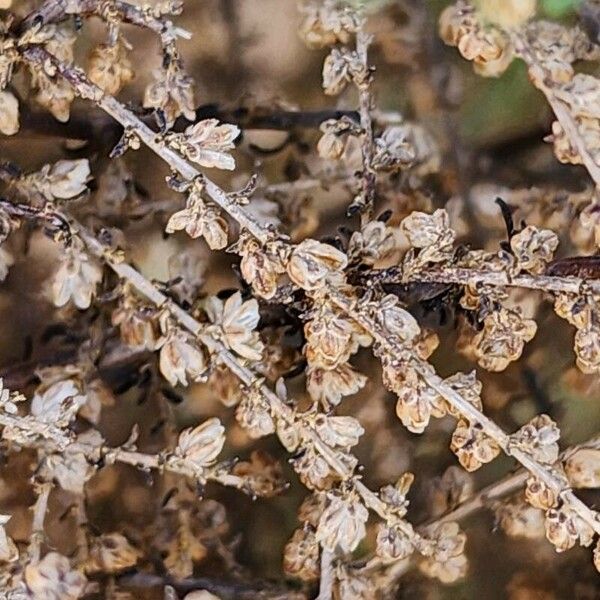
(505, 332)
(564, 528)
(301, 555)
(202, 444)
(237, 321)
(472, 446)
(208, 143)
(539, 438)
(534, 248)
(342, 523)
(312, 262)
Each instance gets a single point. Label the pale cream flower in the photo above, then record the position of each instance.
(202, 444)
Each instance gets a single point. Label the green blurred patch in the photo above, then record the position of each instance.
(559, 8)
(499, 109)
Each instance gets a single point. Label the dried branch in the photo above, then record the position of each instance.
(392, 346)
(32, 433)
(469, 276)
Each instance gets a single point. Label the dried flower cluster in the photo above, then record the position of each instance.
(315, 334)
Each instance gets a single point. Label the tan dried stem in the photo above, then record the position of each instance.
(31, 433)
(37, 525)
(470, 276)
(327, 575)
(365, 99)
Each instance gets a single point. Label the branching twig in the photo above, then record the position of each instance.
(391, 345)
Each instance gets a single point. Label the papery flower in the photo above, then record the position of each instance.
(311, 262)
(336, 71)
(448, 562)
(534, 248)
(374, 242)
(200, 220)
(395, 320)
(472, 446)
(343, 523)
(202, 444)
(328, 386)
(539, 438)
(180, 358)
(237, 321)
(564, 528)
(392, 543)
(208, 143)
(502, 339)
(329, 338)
(253, 413)
(341, 431)
(50, 406)
(76, 279)
(425, 231)
(259, 267)
(62, 180)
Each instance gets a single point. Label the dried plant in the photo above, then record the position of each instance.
(291, 333)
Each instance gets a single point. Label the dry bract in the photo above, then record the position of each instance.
(200, 220)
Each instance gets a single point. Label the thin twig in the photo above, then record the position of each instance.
(37, 526)
(327, 575)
